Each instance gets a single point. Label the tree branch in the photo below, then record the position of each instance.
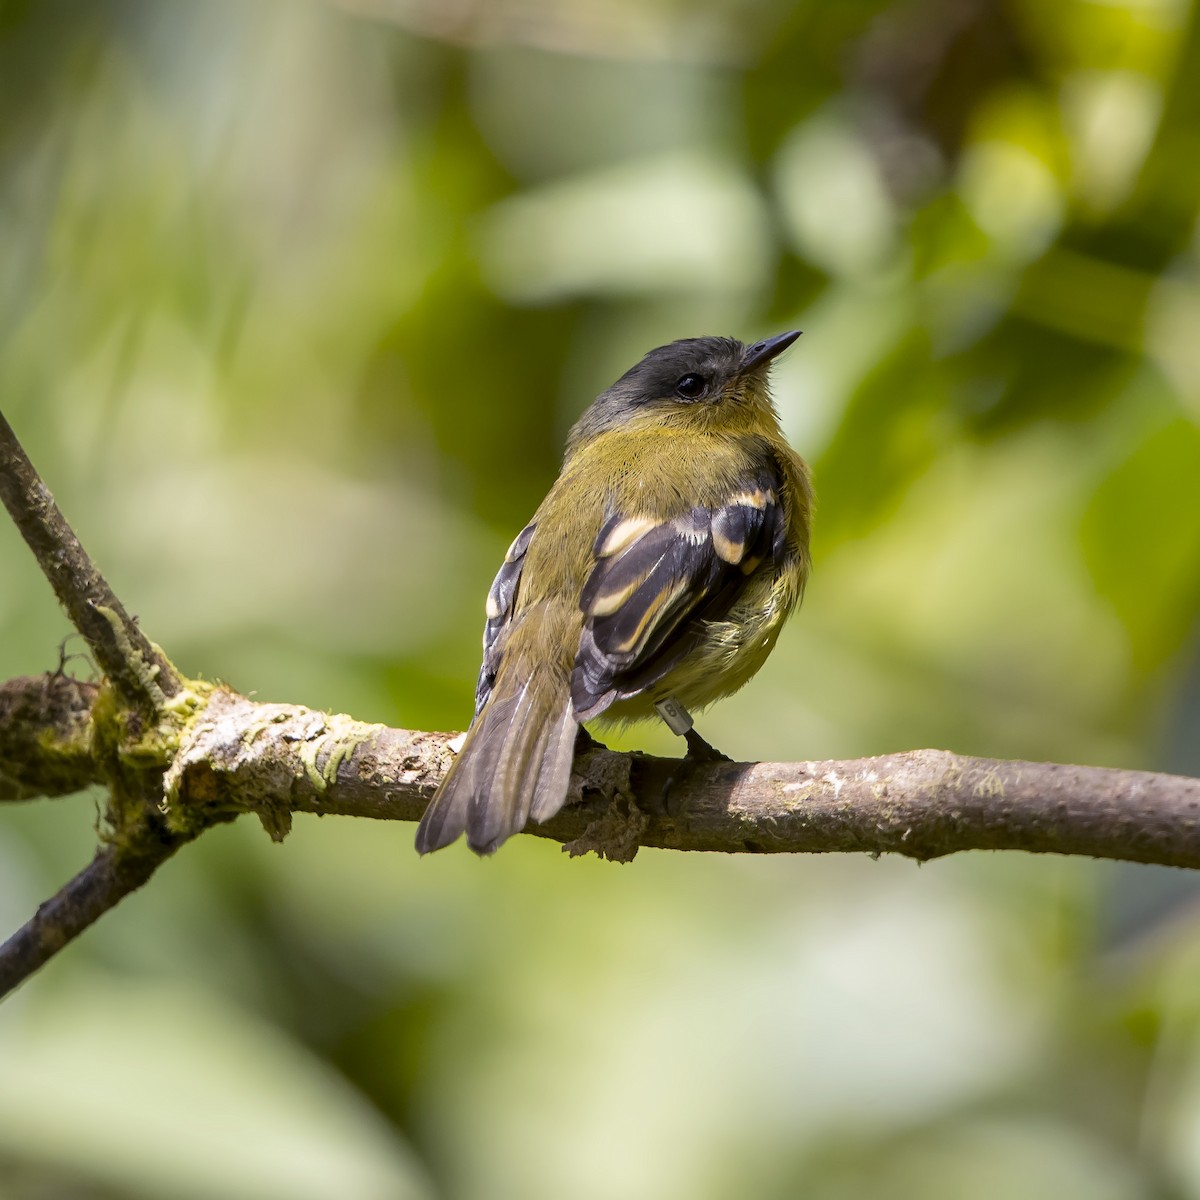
(239, 756)
(138, 670)
(922, 804)
(107, 879)
(236, 756)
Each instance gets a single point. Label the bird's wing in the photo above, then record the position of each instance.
(501, 601)
(655, 582)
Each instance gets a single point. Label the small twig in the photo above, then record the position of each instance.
(138, 670)
(107, 879)
(46, 746)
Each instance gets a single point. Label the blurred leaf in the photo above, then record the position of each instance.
(1149, 569)
(169, 1093)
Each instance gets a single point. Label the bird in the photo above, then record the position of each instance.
(654, 578)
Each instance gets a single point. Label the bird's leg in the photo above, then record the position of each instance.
(701, 751)
(585, 742)
(679, 721)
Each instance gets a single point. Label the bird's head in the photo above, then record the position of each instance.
(696, 383)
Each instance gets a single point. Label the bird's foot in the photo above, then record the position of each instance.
(585, 742)
(698, 750)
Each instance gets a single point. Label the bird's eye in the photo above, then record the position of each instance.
(691, 386)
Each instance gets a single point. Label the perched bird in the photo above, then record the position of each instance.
(655, 576)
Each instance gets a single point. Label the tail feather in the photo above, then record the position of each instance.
(446, 817)
(554, 774)
(501, 808)
(515, 763)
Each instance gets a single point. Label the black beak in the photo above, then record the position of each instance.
(763, 352)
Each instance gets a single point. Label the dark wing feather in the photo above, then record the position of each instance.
(500, 603)
(654, 584)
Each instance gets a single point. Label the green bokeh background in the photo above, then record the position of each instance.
(297, 301)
